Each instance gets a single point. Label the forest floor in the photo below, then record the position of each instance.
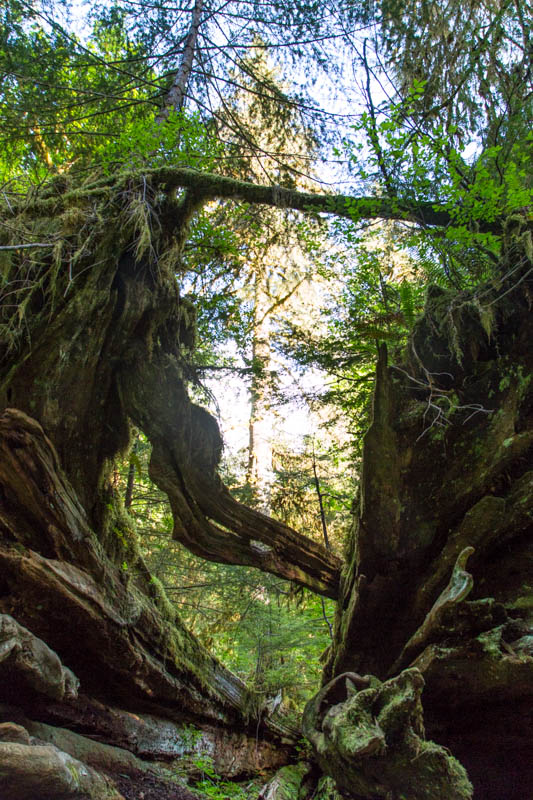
(150, 787)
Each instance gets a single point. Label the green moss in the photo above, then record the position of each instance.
(326, 790)
(73, 771)
(160, 598)
(288, 781)
(119, 532)
(373, 743)
(85, 229)
(524, 603)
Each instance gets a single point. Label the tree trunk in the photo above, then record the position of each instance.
(437, 590)
(88, 640)
(259, 473)
(113, 351)
(175, 97)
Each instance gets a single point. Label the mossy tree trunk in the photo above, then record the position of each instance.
(107, 346)
(100, 340)
(439, 581)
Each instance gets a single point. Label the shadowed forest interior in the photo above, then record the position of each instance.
(266, 408)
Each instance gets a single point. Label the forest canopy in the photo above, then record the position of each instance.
(347, 114)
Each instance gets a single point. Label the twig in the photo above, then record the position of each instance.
(25, 246)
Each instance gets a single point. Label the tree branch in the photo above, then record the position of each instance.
(187, 447)
(209, 186)
(25, 246)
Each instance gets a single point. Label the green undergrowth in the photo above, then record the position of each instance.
(198, 772)
(215, 787)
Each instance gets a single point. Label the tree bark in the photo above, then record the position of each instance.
(175, 97)
(112, 354)
(440, 571)
(124, 645)
(259, 472)
(104, 343)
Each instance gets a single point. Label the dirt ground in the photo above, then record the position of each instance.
(148, 787)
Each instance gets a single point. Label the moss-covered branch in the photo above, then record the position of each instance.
(207, 185)
(210, 186)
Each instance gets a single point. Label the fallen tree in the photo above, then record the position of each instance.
(106, 345)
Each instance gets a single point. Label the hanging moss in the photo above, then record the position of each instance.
(77, 231)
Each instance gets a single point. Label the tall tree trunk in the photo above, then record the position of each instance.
(259, 473)
(177, 93)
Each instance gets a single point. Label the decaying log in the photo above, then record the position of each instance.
(110, 629)
(187, 446)
(114, 352)
(447, 476)
(67, 591)
(370, 738)
(286, 783)
(103, 345)
(26, 659)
